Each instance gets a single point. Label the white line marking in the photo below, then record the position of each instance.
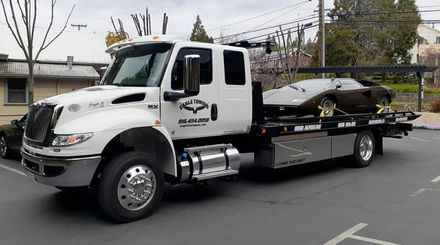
(436, 179)
(350, 234)
(436, 138)
(346, 234)
(12, 170)
(366, 239)
(418, 139)
(419, 191)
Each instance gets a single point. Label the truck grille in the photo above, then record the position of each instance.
(38, 122)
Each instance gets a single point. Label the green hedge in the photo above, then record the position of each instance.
(410, 88)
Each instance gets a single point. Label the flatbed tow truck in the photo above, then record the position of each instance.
(180, 112)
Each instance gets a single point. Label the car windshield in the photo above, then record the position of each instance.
(312, 84)
(138, 66)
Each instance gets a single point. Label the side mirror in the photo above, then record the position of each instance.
(338, 86)
(14, 122)
(191, 74)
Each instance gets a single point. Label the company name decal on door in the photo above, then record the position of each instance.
(193, 105)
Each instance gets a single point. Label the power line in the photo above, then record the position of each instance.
(258, 16)
(388, 13)
(269, 21)
(310, 17)
(284, 30)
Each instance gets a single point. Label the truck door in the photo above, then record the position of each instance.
(193, 116)
(235, 93)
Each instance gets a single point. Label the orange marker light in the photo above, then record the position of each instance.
(263, 131)
(285, 129)
(157, 122)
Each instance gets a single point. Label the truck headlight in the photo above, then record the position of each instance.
(70, 139)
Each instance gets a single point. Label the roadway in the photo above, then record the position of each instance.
(394, 201)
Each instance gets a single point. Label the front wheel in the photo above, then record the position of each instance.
(364, 149)
(130, 187)
(4, 149)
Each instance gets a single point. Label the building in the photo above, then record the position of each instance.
(427, 51)
(70, 63)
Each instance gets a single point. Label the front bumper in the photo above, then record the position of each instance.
(62, 172)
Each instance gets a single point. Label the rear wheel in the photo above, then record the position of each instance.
(364, 149)
(4, 149)
(130, 187)
(385, 103)
(328, 106)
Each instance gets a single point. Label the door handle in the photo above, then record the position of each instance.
(214, 112)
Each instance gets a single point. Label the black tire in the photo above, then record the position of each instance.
(109, 187)
(384, 101)
(362, 156)
(325, 102)
(4, 148)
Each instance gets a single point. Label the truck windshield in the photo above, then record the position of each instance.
(138, 66)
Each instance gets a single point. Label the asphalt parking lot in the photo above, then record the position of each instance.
(394, 201)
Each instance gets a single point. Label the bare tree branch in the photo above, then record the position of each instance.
(15, 35)
(43, 44)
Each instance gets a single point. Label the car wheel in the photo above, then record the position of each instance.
(328, 106)
(130, 187)
(385, 103)
(4, 149)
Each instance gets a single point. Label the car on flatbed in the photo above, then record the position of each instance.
(329, 96)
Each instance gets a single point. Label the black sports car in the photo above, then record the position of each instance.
(11, 136)
(327, 97)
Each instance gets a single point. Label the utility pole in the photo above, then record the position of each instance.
(79, 26)
(321, 36)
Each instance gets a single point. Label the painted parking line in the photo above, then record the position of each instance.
(12, 170)
(349, 234)
(436, 179)
(421, 190)
(418, 139)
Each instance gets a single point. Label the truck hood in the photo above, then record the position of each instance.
(83, 103)
(92, 98)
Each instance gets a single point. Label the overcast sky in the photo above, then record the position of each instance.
(182, 13)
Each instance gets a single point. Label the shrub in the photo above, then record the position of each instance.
(435, 106)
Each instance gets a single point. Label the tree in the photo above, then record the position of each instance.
(24, 13)
(198, 33)
(375, 32)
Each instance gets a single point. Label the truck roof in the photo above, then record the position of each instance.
(161, 38)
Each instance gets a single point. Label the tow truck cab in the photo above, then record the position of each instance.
(169, 110)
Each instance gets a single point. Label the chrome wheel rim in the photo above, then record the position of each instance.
(136, 187)
(366, 147)
(328, 108)
(3, 146)
(384, 103)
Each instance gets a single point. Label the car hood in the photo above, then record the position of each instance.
(288, 96)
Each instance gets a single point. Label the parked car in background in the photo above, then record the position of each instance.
(11, 136)
(333, 95)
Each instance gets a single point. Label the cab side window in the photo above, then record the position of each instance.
(205, 67)
(234, 67)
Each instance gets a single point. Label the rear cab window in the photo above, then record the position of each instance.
(234, 67)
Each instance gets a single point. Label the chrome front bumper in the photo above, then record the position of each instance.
(63, 172)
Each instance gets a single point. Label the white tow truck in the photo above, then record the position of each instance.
(179, 112)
